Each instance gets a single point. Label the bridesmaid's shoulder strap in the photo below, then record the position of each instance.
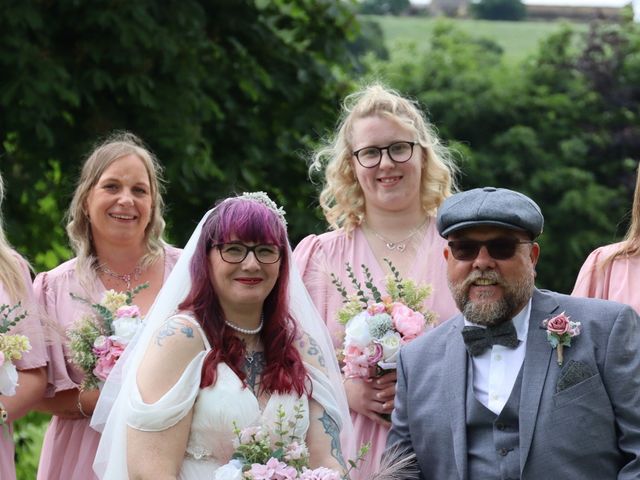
(188, 316)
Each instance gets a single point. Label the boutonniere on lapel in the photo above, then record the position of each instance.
(560, 331)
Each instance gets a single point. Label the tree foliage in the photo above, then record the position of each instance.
(228, 94)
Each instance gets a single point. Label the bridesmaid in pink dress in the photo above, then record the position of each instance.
(116, 229)
(612, 272)
(15, 286)
(386, 173)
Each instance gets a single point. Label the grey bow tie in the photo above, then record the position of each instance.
(479, 339)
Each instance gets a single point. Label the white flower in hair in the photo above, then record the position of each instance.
(263, 198)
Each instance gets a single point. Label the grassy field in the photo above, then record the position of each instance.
(518, 39)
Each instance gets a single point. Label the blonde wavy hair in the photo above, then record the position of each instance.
(342, 198)
(10, 270)
(116, 146)
(631, 243)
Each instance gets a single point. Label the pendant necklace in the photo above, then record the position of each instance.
(399, 245)
(126, 278)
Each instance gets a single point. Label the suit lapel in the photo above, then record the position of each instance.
(456, 361)
(537, 358)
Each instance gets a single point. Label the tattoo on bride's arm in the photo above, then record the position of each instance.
(331, 429)
(169, 329)
(310, 348)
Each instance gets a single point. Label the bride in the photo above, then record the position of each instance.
(232, 339)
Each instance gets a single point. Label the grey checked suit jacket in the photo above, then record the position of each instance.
(590, 430)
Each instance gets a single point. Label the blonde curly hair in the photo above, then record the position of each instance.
(116, 146)
(342, 199)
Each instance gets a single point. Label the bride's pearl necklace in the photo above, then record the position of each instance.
(247, 331)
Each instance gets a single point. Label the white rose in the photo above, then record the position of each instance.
(357, 331)
(125, 328)
(8, 379)
(230, 471)
(391, 343)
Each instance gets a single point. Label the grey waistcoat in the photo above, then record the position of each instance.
(493, 440)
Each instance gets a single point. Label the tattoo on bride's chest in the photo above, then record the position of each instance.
(254, 365)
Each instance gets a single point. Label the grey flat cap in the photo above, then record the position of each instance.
(498, 207)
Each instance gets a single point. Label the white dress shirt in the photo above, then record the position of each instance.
(495, 371)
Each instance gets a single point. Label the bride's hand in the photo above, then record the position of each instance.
(373, 396)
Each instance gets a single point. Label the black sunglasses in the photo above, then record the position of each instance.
(498, 248)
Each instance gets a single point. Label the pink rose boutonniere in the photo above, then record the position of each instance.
(560, 331)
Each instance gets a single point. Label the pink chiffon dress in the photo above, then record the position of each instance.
(618, 280)
(317, 256)
(31, 327)
(69, 445)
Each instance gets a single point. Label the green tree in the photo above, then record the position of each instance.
(499, 10)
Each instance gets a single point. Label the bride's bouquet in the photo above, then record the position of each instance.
(376, 326)
(97, 341)
(278, 454)
(11, 348)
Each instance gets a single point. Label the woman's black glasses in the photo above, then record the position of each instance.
(399, 152)
(237, 252)
(498, 248)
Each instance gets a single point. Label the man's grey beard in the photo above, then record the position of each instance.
(500, 311)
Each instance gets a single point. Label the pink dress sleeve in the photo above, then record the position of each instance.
(31, 327)
(617, 280)
(60, 374)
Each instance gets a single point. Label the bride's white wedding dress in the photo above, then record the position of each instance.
(215, 409)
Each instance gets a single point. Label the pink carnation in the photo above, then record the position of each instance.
(321, 473)
(408, 322)
(107, 360)
(273, 470)
(356, 363)
(128, 311)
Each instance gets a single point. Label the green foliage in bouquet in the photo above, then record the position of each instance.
(81, 340)
(6, 312)
(398, 290)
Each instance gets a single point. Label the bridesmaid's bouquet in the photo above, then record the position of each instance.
(11, 348)
(97, 341)
(261, 454)
(376, 326)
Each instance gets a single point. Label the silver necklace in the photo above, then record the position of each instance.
(247, 331)
(127, 278)
(400, 245)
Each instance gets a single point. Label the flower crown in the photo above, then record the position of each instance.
(263, 198)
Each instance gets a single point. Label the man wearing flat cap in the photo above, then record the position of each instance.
(524, 383)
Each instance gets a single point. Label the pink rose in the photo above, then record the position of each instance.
(376, 308)
(128, 311)
(559, 324)
(374, 353)
(408, 322)
(101, 345)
